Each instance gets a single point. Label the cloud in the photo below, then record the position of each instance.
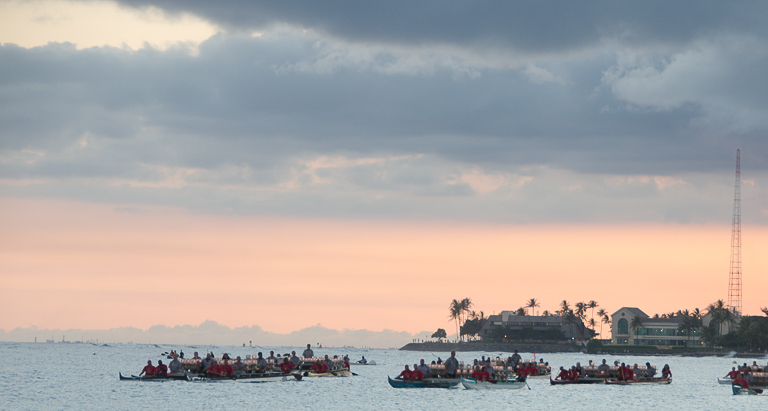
(313, 117)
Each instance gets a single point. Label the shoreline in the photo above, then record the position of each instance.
(566, 348)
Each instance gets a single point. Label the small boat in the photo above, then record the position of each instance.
(365, 363)
(174, 377)
(473, 384)
(725, 381)
(425, 383)
(585, 380)
(640, 382)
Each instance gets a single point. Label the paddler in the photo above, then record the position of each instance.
(424, 368)
(563, 375)
(272, 357)
(308, 353)
(161, 370)
(363, 361)
(574, 374)
(148, 370)
(451, 365)
(286, 367)
(516, 359)
(225, 370)
(666, 372)
(175, 365)
(238, 366)
(740, 380)
(603, 369)
(261, 364)
(327, 364)
(346, 363)
(649, 370)
(732, 374)
(213, 369)
(417, 375)
(295, 360)
(478, 374)
(406, 374)
(205, 363)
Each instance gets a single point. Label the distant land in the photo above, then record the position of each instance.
(213, 333)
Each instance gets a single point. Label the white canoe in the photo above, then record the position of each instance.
(725, 381)
(472, 384)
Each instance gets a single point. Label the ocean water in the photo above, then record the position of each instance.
(85, 376)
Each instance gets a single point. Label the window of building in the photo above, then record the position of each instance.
(623, 327)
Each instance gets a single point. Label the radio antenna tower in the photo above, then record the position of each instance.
(734, 275)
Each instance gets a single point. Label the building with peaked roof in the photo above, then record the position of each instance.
(631, 326)
(571, 330)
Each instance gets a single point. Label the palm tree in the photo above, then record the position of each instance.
(546, 313)
(455, 313)
(592, 304)
(764, 310)
(581, 309)
(464, 306)
(532, 303)
(606, 321)
(637, 322)
(564, 307)
(570, 318)
(720, 314)
(601, 314)
(592, 324)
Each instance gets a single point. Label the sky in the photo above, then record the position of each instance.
(359, 165)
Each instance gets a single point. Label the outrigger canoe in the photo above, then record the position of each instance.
(365, 363)
(640, 382)
(175, 377)
(739, 390)
(725, 381)
(473, 384)
(585, 380)
(425, 383)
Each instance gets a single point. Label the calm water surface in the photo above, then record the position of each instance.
(85, 376)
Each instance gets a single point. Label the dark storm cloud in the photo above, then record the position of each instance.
(304, 123)
(531, 26)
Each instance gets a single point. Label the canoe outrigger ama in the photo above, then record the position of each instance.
(739, 390)
(585, 380)
(639, 382)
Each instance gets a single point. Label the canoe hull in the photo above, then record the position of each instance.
(586, 380)
(739, 390)
(178, 377)
(640, 382)
(472, 384)
(426, 383)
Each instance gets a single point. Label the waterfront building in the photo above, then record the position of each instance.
(575, 330)
(631, 326)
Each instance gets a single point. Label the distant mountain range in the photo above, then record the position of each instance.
(211, 332)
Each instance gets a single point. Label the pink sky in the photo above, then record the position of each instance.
(79, 265)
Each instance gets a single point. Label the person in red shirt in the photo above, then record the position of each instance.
(161, 370)
(573, 374)
(225, 370)
(628, 374)
(406, 374)
(286, 367)
(486, 375)
(563, 375)
(532, 370)
(741, 381)
(417, 375)
(148, 370)
(346, 362)
(666, 372)
(317, 367)
(477, 374)
(213, 370)
(732, 374)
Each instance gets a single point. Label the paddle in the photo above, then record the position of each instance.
(526, 384)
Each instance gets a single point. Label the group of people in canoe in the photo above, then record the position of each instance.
(483, 369)
(226, 366)
(744, 375)
(620, 372)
